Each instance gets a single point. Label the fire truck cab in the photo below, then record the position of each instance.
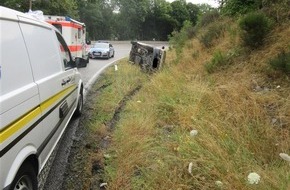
(74, 33)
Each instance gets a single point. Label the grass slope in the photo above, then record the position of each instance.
(241, 113)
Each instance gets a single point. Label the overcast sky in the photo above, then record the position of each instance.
(210, 2)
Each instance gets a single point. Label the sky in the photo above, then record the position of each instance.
(213, 3)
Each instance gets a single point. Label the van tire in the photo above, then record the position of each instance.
(25, 178)
(80, 105)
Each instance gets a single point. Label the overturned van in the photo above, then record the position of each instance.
(149, 58)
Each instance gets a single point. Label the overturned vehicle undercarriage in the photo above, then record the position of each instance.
(149, 58)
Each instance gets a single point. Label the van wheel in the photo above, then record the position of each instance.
(25, 179)
(79, 108)
(88, 59)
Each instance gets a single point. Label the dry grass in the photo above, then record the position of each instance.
(241, 115)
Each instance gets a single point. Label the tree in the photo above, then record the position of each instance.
(179, 12)
(98, 16)
(49, 7)
(193, 11)
(158, 22)
(235, 7)
(57, 7)
(131, 17)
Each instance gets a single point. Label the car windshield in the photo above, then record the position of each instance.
(101, 45)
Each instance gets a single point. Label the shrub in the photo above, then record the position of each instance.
(236, 7)
(255, 27)
(213, 32)
(218, 60)
(281, 62)
(178, 39)
(208, 18)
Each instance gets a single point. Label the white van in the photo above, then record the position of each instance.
(40, 90)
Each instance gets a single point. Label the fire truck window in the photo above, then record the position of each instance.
(65, 54)
(79, 33)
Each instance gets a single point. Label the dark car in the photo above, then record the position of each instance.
(149, 58)
(102, 50)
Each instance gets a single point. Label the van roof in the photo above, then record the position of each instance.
(10, 14)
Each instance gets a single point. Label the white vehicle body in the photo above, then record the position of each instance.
(40, 90)
(74, 33)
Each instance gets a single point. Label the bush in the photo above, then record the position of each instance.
(177, 40)
(255, 27)
(213, 32)
(237, 7)
(218, 60)
(208, 18)
(281, 62)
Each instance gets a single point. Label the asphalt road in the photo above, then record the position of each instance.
(96, 66)
(52, 175)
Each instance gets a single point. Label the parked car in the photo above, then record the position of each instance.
(41, 89)
(102, 50)
(148, 57)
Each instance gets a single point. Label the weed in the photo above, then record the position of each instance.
(208, 17)
(218, 60)
(178, 39)
(213, 32)
(281, 62)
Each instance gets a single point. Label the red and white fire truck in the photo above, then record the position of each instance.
(74, 33)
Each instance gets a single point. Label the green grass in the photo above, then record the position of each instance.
(151, 146)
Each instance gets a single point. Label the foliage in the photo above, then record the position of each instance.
(49, 7)
(281, 62)
(179, 12)
(98, 17)
(193, 11)
(158, 22)
(236, 7)
(208, 17)
(212, 33)
(255, 27)
(277, 10)
(118, 19)
(177, 40)
(218, 60)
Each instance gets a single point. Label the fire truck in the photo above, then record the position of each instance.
(74, 33)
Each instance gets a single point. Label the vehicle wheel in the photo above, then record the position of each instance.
(88, 59)
(25, 179)
(113, 54)
(80, 105)
(78, 63)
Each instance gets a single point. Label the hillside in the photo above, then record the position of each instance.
(193, 124)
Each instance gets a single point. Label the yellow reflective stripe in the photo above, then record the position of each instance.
(24, 120)
(17, 125)
(46, 104)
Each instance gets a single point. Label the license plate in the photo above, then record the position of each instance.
(98, 53)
